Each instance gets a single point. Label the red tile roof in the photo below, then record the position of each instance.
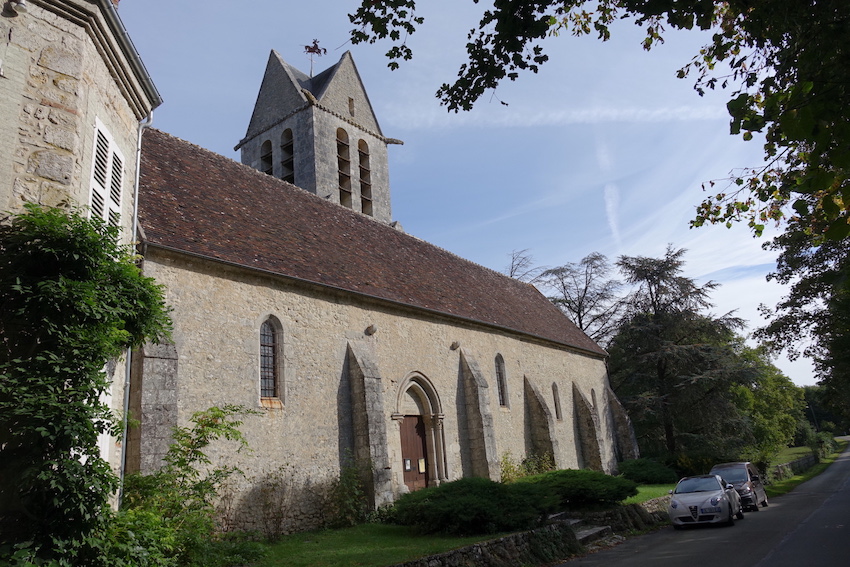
(199, 202)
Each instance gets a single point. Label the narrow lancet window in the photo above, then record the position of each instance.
(269, 382)
(344, 164)
(287, 156)
(557, 399)
(365, 178)
(501, 381)
(266, 163)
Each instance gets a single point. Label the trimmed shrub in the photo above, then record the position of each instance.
(471, 506)
(582, 488)
(647, 471)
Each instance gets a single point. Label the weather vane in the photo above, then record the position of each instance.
(314, 50)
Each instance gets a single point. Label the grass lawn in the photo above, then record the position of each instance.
(791, 454)
(648, 492)
(367, 545)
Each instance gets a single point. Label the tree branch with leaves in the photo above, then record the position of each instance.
(787, 65)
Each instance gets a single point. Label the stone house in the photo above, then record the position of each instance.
(74, 96)
(294, 293)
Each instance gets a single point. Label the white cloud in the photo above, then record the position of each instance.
(612, 202)
(430, 116)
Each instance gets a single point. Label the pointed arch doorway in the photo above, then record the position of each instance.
(420, 423)
(414, 452)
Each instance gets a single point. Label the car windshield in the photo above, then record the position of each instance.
(732, 474)
(698, 484)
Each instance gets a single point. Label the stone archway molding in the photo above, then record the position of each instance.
(418, 385)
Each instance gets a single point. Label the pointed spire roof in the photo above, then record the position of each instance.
(286, 90)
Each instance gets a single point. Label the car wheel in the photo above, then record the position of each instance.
(731, 520)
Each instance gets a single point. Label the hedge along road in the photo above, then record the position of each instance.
(806, 527)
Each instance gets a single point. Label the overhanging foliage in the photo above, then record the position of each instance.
(787, 65)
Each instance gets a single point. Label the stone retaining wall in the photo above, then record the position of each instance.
(631, 517)
(550, 543)
(543, 545)
(787, 470)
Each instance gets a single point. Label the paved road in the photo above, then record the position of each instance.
(805, 528)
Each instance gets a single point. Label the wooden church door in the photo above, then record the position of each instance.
(413, 451)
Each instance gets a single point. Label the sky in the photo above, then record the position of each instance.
(604, 150)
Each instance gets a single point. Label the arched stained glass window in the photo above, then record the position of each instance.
(269, 373)
(502, 381)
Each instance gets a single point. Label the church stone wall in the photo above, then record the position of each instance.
(217, 313)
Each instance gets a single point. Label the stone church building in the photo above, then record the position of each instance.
(294, 292)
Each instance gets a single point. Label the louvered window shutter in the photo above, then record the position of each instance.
(107, 177)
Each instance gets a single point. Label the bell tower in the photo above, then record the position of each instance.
(321, 134)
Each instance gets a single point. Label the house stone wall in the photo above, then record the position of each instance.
(56, 82)
(217, 312)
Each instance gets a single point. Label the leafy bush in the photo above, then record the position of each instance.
(823, 445)
(533, 464)
(581, 488)
(647, 471)
(175, 504)
(474, 506)
(349, 504)
(71, 299)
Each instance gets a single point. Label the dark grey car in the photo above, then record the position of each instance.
(747, 482)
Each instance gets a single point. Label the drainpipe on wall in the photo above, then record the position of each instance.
(146, 123)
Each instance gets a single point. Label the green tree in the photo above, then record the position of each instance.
(787, 65)
(816, 310)
(673, 365)
(586, 294)
(71, 300)
(773, 404)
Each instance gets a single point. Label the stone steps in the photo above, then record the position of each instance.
(585, 534)
(588, 534)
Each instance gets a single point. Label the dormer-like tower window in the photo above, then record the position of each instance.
(287, 156)
(365, 178)
(343, 154)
